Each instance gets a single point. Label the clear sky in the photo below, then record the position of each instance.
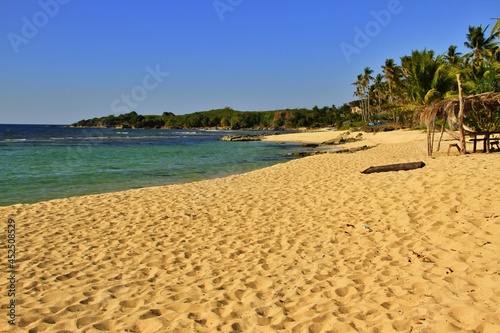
(66, 60)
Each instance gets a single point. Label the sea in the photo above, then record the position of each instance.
(44, 162)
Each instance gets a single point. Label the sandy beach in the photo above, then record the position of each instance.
(310, 245)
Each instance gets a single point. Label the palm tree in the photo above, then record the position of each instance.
(392, 74)
(495, 33)
(452, 56)
(482, 47)
(360, 94)
(427, 78)
(363, 92)
(496, 28)
(367, 78)
(379, 88)
(483, 68)
(357, 84)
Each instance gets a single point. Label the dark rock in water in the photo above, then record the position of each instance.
(306, 153)
(310, 145)
(242, 137)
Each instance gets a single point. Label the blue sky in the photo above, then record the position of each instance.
(66, 60)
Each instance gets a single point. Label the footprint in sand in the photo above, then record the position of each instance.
(342, 292)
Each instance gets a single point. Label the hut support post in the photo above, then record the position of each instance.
(441, 135)
(432, 130)
(461, 116)
(487, 136)
(429, 139)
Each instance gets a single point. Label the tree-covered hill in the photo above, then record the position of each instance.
(228, 118)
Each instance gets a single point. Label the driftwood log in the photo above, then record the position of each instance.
(394, 167)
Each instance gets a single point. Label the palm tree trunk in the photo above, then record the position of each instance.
(368, 102)
(461, 116)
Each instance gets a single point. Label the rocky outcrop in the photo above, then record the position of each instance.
(352, 150)
(242, 137)
(325, 147)
(306, 153)
(343, 138)
(381, 128)
(310, 145)
(331, 151)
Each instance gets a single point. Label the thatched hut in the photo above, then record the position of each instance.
(481, 116)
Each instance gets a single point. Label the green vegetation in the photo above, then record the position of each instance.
(395, 95)
(228, 118)
(424, 77)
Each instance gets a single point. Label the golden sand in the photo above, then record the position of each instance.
(310, 245)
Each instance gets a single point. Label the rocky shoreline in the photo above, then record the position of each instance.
(328, 146)
(330, 151)
(242, 137)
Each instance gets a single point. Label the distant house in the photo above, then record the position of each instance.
(356, 110)
(354, 105)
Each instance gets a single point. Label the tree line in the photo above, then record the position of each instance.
(396, 94)
(227, 118)
(424, 77)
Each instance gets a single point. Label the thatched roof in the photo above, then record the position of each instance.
(448, 109)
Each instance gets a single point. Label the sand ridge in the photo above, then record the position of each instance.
(311, 245)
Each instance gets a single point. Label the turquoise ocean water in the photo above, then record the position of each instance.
(40, 163)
